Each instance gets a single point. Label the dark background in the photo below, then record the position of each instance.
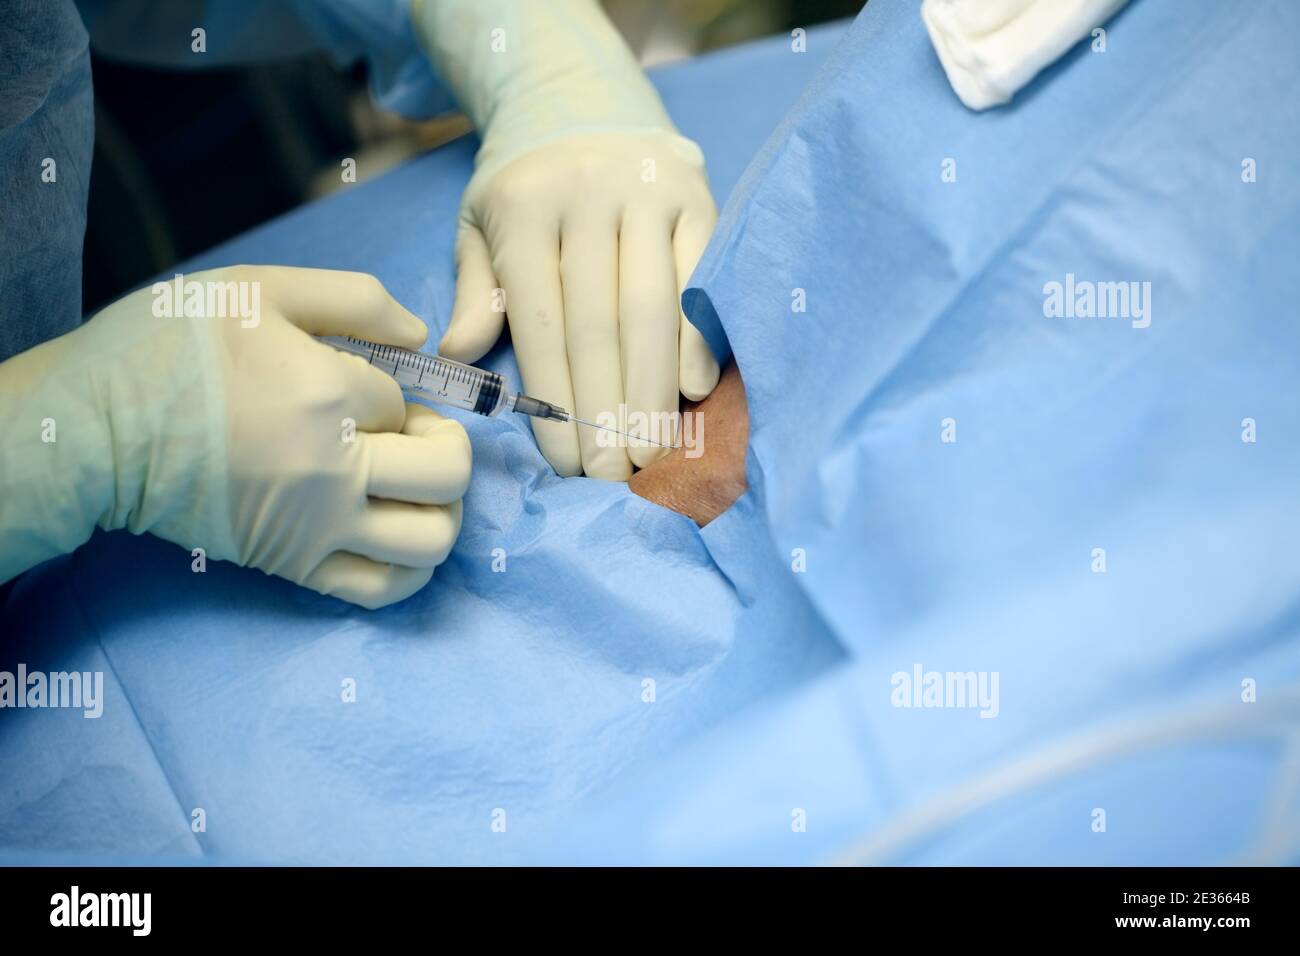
(185, 160)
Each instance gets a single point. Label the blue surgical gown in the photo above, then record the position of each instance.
(47, 113)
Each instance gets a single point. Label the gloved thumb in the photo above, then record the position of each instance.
(479, 312)
(331, 302)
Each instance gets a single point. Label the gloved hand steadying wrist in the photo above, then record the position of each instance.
(587, 210)
(240, 435)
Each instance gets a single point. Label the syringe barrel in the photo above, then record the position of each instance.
(439, 379)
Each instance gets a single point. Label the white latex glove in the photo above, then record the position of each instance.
(253, 442)
(586, 214)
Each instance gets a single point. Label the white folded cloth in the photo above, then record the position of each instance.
(992, 48)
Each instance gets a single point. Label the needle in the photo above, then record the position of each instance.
(648, 441)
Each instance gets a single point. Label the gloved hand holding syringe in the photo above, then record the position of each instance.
(458, 385)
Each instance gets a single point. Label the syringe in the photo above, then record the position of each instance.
(456, 384)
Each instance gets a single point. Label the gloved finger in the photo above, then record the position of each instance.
(331, 302)
(371, 584)
(697, 368)
(527, 260)
(478, 314)
(589, 277)
(372, 399)
(416, 536)
(648, 330)
(428, 463)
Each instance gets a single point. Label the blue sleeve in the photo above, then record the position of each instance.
(401, 78)
(242, 31)
(47, 131)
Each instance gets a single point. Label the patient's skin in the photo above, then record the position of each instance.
(704, 487)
